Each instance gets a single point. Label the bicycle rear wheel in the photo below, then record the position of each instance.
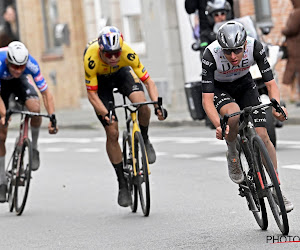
(271, 185)
(141, 164)
(23, 179)
(255, 204)
(128, 170)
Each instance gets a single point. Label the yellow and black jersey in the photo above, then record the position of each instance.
(94, 66)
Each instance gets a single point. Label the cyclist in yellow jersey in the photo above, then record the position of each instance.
(110, 63)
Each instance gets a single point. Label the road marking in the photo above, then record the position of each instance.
(293, 166)
(217, 158)
(54, 150)
(186, 156)
(87, 150)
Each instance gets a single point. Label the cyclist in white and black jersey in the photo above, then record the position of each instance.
(228, 87)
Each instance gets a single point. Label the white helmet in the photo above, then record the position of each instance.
(17, 53)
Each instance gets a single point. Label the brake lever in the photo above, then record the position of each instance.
(223, 123)
(7, 116)
(278, 108)
(110, 111)
(53, 122)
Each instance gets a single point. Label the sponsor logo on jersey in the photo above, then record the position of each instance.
(34, 68)
(206, 62)
(143, 70)
(265, 70)
(260, 120)
(131, 57)
(91, 63)
(206, 82)
(262, 51)
(38, 78)
(87, 81)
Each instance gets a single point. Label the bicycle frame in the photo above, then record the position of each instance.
(133, 118)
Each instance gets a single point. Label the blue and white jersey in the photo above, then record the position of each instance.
(32, 68)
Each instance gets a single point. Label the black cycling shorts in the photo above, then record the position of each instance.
(21, 87)
(124, 80)
(243, 92)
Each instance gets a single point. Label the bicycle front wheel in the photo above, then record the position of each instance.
(270, 182)
(128, 170)
(141, 164)
(23, 177)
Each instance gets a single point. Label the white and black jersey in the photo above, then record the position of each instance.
(234, 83)
(215, 66)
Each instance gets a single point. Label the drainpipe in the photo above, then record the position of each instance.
(263, 15)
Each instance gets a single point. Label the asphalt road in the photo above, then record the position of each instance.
(72, 202)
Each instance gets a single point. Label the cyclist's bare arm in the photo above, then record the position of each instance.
(98, 105)
(153, 93)
(273, 92)
(2, 111)
(212, 113)
(49, 105)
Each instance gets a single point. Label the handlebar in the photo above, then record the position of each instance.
(112, 107)
(249, 110)
(9, 112)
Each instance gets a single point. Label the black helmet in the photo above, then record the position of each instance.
(231, 35)
(214, 6)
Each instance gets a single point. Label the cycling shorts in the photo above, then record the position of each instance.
(242, 91)
(21, 87)
(124, 80)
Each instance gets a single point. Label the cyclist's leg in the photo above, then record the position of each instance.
(130, 86)
(6, 90)
(226, 105)
(28, 96)
(113, 148)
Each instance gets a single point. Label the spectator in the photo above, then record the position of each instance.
(292, 34)
(9, 32)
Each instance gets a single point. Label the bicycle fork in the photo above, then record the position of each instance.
(135, 127)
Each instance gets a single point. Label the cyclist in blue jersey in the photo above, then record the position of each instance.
(15, 67)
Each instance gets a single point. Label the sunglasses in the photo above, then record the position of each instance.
(235, 51)
(109, 55)
(220, 13)
(16, 67)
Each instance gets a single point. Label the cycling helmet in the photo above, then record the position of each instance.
(231, 35)
(17, 53)
(214, 6)
(111, 39)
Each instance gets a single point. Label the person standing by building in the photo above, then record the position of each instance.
(292, 35)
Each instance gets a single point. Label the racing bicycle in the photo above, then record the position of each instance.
(18, 170)
(260, 178)
(135, 160)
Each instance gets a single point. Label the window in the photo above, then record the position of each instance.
(51, 20)
(133, 32)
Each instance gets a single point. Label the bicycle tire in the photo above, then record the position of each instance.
(142, 172)
(253, 201)
(11, 177)
(128, 170)
(270, 180)
(23, 180)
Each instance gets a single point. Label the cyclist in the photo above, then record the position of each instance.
(16, 64)
(110, 63)
(228, 87)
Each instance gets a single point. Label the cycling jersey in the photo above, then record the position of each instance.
(215, 66)
(32, 68)
(94, 66)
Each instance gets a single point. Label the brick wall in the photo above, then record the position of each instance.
(280, 10)
(69, 65)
